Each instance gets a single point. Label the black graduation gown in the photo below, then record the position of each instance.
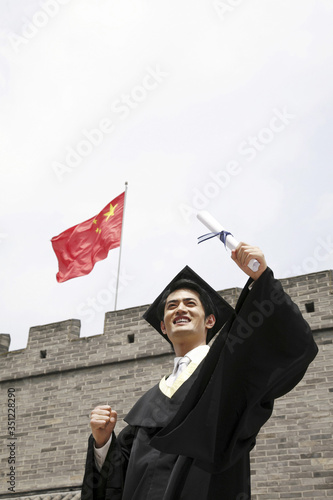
(196, 444)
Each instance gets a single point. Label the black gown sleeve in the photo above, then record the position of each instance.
(260, 355)
(108, 483)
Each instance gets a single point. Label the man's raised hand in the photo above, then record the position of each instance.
(242, 256)
(102, 422)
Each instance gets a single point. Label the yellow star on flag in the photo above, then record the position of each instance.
(110, 212)
(80, 247)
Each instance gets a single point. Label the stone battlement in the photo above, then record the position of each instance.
(59, 347)
(50, 387)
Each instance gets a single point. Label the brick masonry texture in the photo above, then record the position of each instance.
(59, 377)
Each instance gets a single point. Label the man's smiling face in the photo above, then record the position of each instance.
(185, 320)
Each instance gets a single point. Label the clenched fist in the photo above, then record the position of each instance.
(102, 422)
(243, 254)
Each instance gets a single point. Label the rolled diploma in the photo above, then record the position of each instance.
(208, 220)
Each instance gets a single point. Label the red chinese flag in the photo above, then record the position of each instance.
(80, 247)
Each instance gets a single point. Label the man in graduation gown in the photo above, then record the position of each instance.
(191, 434)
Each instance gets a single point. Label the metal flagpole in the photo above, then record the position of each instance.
(121, 239)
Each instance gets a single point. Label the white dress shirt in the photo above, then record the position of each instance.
(196, 355)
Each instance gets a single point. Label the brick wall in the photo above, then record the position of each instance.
(59, 377)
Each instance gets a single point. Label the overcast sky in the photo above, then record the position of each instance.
(218, 105)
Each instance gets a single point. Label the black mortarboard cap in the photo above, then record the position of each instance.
(184, 279)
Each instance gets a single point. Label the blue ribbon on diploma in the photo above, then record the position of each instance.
(221, 234)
